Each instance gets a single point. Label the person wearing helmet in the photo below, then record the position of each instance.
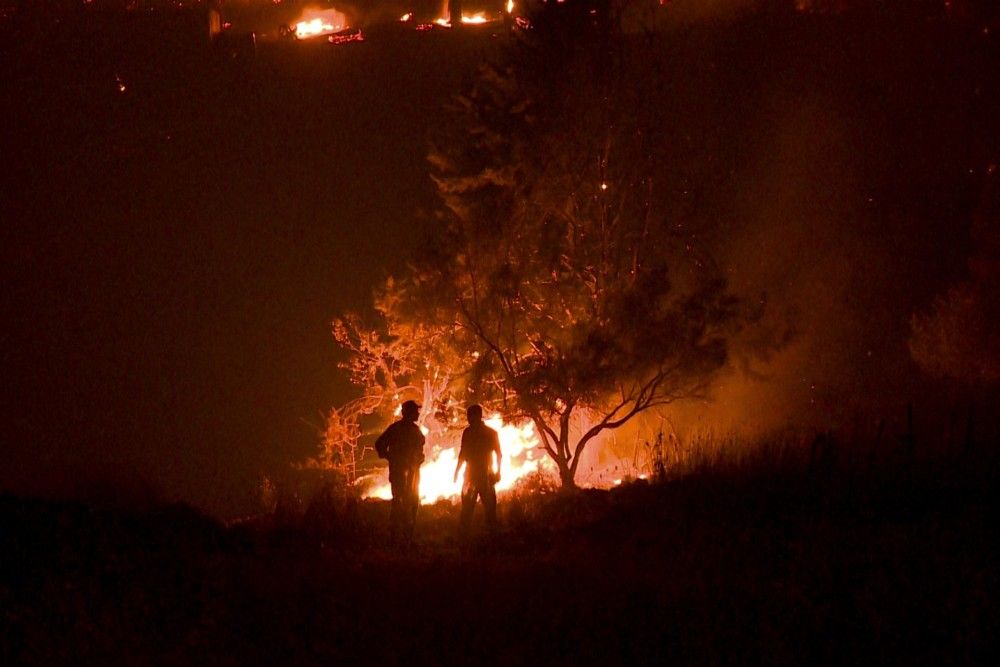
(402, 444)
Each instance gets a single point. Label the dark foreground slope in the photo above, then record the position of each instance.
(770, 563)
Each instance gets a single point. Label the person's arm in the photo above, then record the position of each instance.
(461, 456)
(420, 447)
(382, 443)
(496, 449)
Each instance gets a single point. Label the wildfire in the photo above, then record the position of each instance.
(467, 19)
(316, 22)
(444, 18)
(521, 457)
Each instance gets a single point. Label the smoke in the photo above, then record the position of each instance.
(832, 203)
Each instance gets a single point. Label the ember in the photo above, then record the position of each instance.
(346, 36)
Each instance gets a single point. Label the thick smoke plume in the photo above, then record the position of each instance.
(838, 161)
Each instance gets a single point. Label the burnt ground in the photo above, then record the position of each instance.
(762, 562)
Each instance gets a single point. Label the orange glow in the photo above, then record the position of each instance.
(350, 36)
(405, 17)
(444, 17)
(316, 22)
(522, 456)
(510, 6)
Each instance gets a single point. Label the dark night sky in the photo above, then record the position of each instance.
(172, 256)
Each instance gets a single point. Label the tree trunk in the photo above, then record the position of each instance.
(566, 476)
(558, 451)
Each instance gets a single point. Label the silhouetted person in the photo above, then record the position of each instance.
(403, 445)
(479, 444)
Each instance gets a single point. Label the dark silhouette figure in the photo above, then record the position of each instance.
(403, 445)
(479, 443)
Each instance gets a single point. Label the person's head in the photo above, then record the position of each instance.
(474, 413)
(410, 411)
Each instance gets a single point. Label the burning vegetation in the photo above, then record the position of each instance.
(319, 22)
(556, 288)
(523, 458)
(570, 283)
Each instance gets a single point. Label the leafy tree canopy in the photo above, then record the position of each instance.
(557, 284)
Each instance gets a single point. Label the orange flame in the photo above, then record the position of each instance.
(475, 18)
(316, 22)
(444, 17)
(522, 456)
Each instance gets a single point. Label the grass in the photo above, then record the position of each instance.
(756, 558)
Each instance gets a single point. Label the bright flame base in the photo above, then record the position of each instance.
(522, 456)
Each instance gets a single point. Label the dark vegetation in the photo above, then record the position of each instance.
(777, 557)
